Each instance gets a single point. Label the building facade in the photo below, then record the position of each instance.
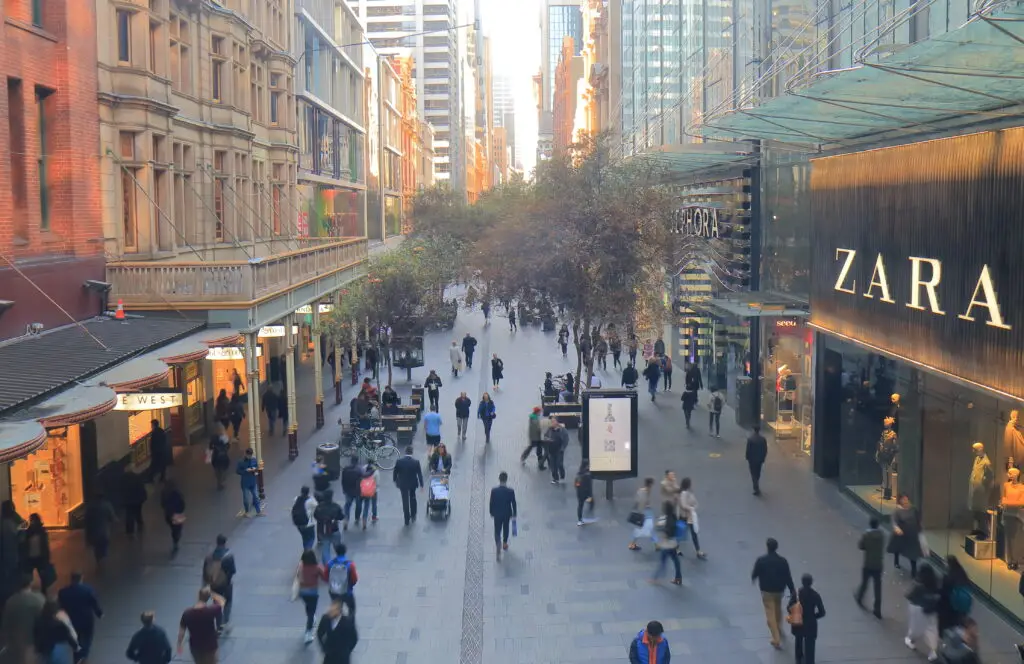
(51, 231)
(391, 155)
(559, 19)
(568, 74)
(500, 155)
(410, 146)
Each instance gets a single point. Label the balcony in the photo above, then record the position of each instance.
(232, 284)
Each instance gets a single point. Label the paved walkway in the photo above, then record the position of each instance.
(433, 593)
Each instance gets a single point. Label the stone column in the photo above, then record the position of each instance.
(318, 367)
(289, 360)
(338, 372)
(355, 355)
(252, 374)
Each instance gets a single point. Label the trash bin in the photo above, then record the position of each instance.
(745, 416)
(330, 455)
(417, 396)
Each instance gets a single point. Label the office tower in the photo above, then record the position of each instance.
(559, 19)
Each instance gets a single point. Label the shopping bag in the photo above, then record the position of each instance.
(209, 456)
(636, 519)
(515, 529)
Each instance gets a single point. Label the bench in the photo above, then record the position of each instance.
(405, 435)
(411, 411)
(393, 422)
(570, 414)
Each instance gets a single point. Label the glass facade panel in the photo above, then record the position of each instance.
(48, 482)
(787, 400)
(786, 225)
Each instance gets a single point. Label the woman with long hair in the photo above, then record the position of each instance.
(667, 543)
(307, 587)
(486, 412)
(688, 503)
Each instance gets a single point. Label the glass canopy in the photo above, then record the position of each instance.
(691, 158)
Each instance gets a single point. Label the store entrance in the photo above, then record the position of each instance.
(48, 482)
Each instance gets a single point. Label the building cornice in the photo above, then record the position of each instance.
(133, 101)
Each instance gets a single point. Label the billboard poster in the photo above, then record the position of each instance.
(609, 434)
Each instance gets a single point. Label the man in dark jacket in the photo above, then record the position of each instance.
(408, 476)
(159, 452)
(558, 440)
(337, 634)
(271, 408)
(351, 476)
(79, 601)
(757, 452)
(133, 495)
(150, 644)
(327, 515)
(694, 381)
(771, 571)
(219, 572)
(462, 405)
(469, 347)
(503, 510)
(584, 491)
(872, 543)
(650, 646)
(630, 376)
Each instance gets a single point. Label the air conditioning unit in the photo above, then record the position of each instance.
(34, 328)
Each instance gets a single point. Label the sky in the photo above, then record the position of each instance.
(514, 29)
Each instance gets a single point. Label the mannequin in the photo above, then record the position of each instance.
(894, 412)
(979, 490)
(1013, 442)
(886, 456)
(1013, 511)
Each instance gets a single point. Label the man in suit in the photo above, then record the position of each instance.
(408, 476)
(503, 511)
(337, 634)
(757, 452)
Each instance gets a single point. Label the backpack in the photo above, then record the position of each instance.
(368, 487)
(213, 573)
(960, 600)
(338, 581)
(716, 404)
(299, 516)
(795, 617)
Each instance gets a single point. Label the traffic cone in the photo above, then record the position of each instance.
(119, 314)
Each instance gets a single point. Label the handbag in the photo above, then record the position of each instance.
(795, 617)
(177, 519)
(636, 519)
(208, 457)
(295, 589)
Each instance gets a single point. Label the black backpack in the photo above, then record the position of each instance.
(299, 516)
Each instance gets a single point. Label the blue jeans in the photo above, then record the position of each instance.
(308, 534)
(249, 492)
(349, 502)
(327, 546)
(367, 502)
(270, 424)
(668, 554)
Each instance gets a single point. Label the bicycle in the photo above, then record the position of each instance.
(375, 445)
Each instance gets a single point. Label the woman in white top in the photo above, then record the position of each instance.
(643, 505)
(688, 506)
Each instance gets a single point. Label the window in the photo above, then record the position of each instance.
(126, 141)
(19, 179)
(238, 68)
(158, 149)
(161, 227)
(180, 60)
(129, 223)
(44, 101)
(219, 157)
(183, 209)
(275, 100)
(277, 173)
(37, 13)
(154, 41)
(124, 36)
(217, 68)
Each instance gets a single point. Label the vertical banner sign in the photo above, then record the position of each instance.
(609, 433)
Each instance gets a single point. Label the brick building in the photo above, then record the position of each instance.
(50, 225)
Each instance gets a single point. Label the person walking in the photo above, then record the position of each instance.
(563, 340)
(584, 484)
(433, 385)
(652, 373)
(468, 349)
(282, 408)
(486, 308)
(650, 646)
(200, 621)
(160, 456)
(659, 347)
(302, 517)
(269, 405)
(222, 408)
(432, 428)
(692, 378)
(20, 612)
(666, 371)
(368, 491)
(906, 534)
(237, 415)
(307, 587)
(172, 502)
(327, 515)
(408, 477)
(715, 414)
(512, 327)
(373, 360)
(757, 452)
(150, 644)
(351, 478)
(688, 503)
(78, 600)
(486, 412)
(812, 609)
(954, 595)
(503, 510)
(340, 574)
(922, 612)
(37, 552)
(133, 497)
(558, 441)
(535, 436)
(219, 571)
(771, 573)
(872, 543)
(53, 636)
(601, 353)
(632, 344)
(455, 355)
(615, 346)
(642, 506)
(462, 406)
(99, 516)
(668, 543)
(689, 400)
(497, 370)
(220, 458)
(336, 633)
(630, 377)
(246, 470)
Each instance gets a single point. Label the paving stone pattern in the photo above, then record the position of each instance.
(433, 593)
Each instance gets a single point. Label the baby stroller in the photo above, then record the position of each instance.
(438, 501)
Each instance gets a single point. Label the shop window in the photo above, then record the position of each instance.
(48, 482)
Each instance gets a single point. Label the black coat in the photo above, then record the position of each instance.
(503, 503)
(757, 449)
(351, 476)
(813, 611)
(462, 407)
(408, 474)
(909, 543)
(584, 485)
(433, 384)
(149, 645)
(497, 368)
(337, 643)
(133, 490)
(159, 449)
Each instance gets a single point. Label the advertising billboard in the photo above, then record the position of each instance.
(609, 433)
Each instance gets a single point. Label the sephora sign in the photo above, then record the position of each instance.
(916, 251)
(696, 222)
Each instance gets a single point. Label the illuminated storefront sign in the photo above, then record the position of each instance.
(149, 400)
(230, 353)
(271, 331)
(308, 309)
(696, 221)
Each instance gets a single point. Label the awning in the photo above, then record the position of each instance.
(976, 69)
(194, 347)
(753, 305)
(690, 158)
(137, 373)
(79, 404)
(20, 438)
